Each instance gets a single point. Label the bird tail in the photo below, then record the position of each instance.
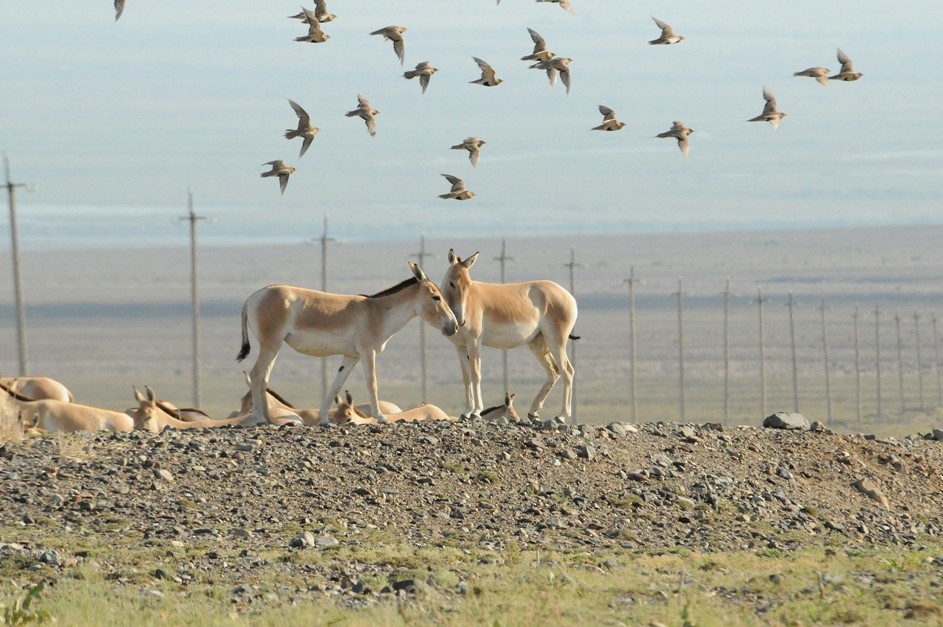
(291, 133)
(351, 114)
(410, 74)
(445, 196)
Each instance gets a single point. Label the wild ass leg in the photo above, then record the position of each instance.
(370, 377)
(558, 353)
(258, 381)
(539, 348)
(463, 361)
(342, 373)
(474, 364)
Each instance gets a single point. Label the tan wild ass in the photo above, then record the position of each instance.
(39, 388)
(502, 411)
(540, 314)
(150, 416)
(55, 415)
(321, 324)
(348, 413)
(310, 417)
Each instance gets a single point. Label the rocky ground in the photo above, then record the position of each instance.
(247, 495)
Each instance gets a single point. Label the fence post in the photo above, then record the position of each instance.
(900, 363)
(795, 366)
(936, 362)
(423, 371)
(828, 386)
(503, 259)
(919, 358)
(324, 239)
(17, 278)
(857, 368)
(727, 352)
(679, 294)
(877, 359)
(633, 362)
(760, 301)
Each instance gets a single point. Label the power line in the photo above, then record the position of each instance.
(193, 218)
(17, 277)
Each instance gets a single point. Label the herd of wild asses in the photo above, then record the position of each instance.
(543, 59)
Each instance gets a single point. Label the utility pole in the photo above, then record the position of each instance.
(421, 260)
(828, 386)
(857, 368)
(324, 239)
(503, 259)
(572, 266)
(679, 294)
(877, 360)
(633, 362)
(727, 352)
(936, 362)
(17, 277)
(192, 218)
(795, 365)
(759, 302)
(900, 364)
(919, 358)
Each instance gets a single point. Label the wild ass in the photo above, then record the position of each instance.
(505, 410)
(540, 314)
(348, 413)
(151, 416)
(39, 388)
(321, 324)
(55, 415)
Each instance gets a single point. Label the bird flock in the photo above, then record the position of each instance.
(542, 58)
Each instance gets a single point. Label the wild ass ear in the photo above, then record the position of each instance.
(137, 395)
(150, 393)
(350, 397)
(417, 271)
(508, 399)
(468, 263)
(452, 256)
(337, 399)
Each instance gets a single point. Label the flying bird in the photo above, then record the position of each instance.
(305, 128)
(320, 12)
(458, 191)
(488, 78)
(609, 121)
(315, 34)
(473, 146)
(680, 132)
(540, 52)
(667, 34)
(394, 34)
(564, 4)
(818, 73)
(365, 111)
(847, 72)
(554, 66)
(281, 170)
(770, 114)
(119, 9)
(424, 71)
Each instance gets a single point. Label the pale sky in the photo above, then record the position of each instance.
(178, 94)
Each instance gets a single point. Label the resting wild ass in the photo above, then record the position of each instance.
(150, 416)
(502, 411)
(310, 417)
(348, 413)
(321, 324)
(540, 314)
(39, 388)
(54, 415)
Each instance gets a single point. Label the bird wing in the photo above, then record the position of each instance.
(119, 8)
(305, 144)
(683, 146)
(424, 81)
(565, 79)
(370, 121)
(320, 7)
(363, 103)
(665, 28)
(487, 71)
(400, 49)
(539, 44)
(283, 181)
(278, 164)
(770, 102)
(455, 181)
(303, 118)
(846, 65)
(607, 113)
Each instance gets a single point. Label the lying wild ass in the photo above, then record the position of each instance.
(348, 413)
(502, 411)
(321, 324)
(310, 417)
(151, 416)
(39, 388)
(540, 314)
(55, 415)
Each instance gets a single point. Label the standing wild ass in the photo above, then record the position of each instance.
(321, 324)
(540, 314)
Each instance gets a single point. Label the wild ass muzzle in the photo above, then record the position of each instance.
(540, 314)
(320, 324)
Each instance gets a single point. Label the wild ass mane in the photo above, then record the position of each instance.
(399, 287)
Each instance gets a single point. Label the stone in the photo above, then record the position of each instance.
(325, 542)
(587, 452)
(617, 428)
(164, 475)
(872, 491)
(817, 427)
(938, 434)
(786, 420)
(304, 540)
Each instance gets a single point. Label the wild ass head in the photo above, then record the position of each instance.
(456, 283)
(146, 416)
(432, 308)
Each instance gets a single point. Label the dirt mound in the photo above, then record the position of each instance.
(249, 491)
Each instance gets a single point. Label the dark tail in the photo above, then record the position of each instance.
(244, 351)
(574, 337)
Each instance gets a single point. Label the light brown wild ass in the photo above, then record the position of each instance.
(348, 413)
(310, 417)
(540, 314)
(39, 388)
(150, 416)
(55, 415)
(502, 411)
(321, 324)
